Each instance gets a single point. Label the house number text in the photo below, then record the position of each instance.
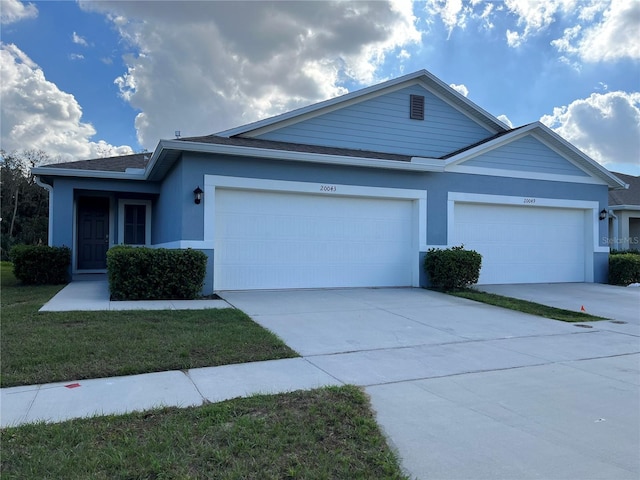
(328, 188)
(529, 200)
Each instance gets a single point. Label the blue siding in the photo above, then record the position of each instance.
(526, 154)
(383, 124)
(167, 225)
(176, 217)
(66, 190)
(438, 185)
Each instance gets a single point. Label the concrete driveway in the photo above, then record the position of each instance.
(610, 301)
(464, 390)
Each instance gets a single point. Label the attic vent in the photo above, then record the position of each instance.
(416, 107)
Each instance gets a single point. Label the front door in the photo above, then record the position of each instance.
(93, 233)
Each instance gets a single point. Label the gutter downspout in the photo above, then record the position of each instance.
(615, 231)
(48, 188)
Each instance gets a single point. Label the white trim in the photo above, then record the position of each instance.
(419, 197)
(624, 207)
(181, 244)
(72, 172)
(591, 216)
(498, 172)
(122, 202)
(269, 153)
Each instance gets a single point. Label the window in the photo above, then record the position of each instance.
(134, 226)
(416, 107)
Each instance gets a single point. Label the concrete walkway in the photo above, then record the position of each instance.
(93, 295)
(462, 390)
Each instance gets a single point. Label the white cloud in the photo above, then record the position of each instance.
(615, 37)
(77, 39)
(76, 56)
(37, 115)
(202, 67)
(13, 11)
(604, 126)
(534, 16)
(461, 89)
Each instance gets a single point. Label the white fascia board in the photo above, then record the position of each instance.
(292, 156)
(430, 164)
(69, 172)
(498, 172)
(624, 207)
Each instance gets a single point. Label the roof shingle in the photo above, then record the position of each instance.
(630, 196)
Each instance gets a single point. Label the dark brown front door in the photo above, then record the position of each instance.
(93, 233)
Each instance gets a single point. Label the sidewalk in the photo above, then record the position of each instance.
(56, 402)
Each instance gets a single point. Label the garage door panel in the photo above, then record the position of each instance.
(290, 240)
(523, 244)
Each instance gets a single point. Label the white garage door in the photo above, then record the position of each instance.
(523, 244)
(270, 240)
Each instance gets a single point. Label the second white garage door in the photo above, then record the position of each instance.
(272, 240)
(523, 244)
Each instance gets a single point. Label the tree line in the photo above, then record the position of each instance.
(24, 205)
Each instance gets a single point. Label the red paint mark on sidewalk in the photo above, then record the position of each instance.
(72, 385)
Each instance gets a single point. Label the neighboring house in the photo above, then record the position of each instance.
(624, 215)
(349, 192)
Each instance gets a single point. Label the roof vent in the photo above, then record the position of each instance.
(416, 107)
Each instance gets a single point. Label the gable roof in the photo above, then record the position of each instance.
(630, 196)
(548, 137)
(422, 77)
(239, 142)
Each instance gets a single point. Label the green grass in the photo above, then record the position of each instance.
(526, 306)
(58, 346)
(325, 433)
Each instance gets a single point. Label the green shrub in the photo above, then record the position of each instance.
(452, 268)
(138, 273)
(624, 269)
(41, 265)
(624, 252)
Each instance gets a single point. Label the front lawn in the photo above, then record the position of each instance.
(324, 433)
(526, 306)
(58, 346)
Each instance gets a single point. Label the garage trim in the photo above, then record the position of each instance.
(419, 198)
(590, 208)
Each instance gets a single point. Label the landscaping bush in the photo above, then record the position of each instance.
(452, 268)
(40, 265)
(138, 273)
(624, 269)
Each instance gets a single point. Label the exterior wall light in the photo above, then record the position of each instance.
(603, 214)
(197, 195)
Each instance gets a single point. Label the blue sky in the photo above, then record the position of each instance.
(88, 79)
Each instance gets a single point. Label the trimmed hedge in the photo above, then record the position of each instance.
(40, 265)
(452, 268)
(624, 269)
(139, 273)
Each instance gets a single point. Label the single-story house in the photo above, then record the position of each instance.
(624, 215)
(348, 192)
